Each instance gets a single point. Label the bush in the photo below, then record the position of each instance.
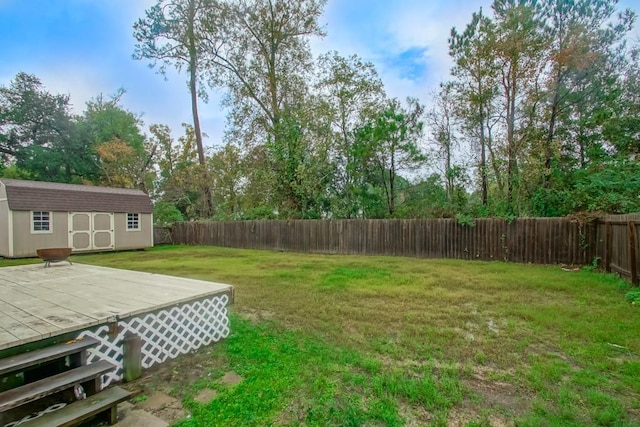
(166, 214)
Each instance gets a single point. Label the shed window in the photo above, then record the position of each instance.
(133, 221)
(41, 222)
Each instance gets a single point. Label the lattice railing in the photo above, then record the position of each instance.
(165, 334)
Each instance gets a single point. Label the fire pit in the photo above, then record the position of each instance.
(50, 255)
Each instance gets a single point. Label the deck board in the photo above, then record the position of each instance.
(21, 323)
(37, 302)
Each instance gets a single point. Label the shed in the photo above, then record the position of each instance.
(35, 215)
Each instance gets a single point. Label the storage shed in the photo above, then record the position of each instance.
(35, 215)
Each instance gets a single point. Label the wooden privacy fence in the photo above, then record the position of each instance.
(534, 240)
(618, 245)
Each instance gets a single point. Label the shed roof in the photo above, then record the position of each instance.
(53, 196)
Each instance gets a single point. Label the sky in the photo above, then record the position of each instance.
(84, 48)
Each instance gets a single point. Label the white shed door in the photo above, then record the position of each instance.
(90, 231)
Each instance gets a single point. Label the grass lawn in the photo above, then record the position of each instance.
(351, 341)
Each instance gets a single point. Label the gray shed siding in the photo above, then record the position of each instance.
(125, 239)
(25, 243)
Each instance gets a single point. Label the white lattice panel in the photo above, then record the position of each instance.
(165, 334)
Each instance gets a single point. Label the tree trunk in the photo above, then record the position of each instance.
(193, 81)
(447, 154)
(392, 181)
(494, 163)
(548, 148)
(511, 149)
(483, 156)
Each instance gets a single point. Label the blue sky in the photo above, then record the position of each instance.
(84, 47)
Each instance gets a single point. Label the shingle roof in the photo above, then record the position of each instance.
(53, 196)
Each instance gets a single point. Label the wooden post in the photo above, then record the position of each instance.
(112, 415)
(607, 246)
(132, 357)
(633, 260)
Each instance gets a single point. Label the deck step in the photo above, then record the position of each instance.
(81, 410)
(32, 358)
(36, 390)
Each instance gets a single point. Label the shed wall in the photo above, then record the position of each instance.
(125, 239)
(4, 223)
(25, 243)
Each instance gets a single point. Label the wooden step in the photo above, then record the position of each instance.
(32, 358)
(71, 415)
(36, 390)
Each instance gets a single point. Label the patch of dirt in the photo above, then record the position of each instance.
(230, 379)
(256, 316)
(462, 416)
(634, 416)
(414, 415)
(205, 395)
(178, 373)
(294, 413)
(498, 394)
(165, 385)
(163, 406)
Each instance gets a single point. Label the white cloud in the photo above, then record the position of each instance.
(382, 34)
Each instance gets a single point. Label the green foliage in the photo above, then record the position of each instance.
(166, 214)
(106, 120)
(39, 136)
(14, 172)
(260, 212)
(610, 187)
(140, 398)
(633, 296)
(300, 171)
(385, 147)
(466, 220)
(29, 115)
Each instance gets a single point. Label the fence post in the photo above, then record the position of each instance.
(607, 246)
(632, 253)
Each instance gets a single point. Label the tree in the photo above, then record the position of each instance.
(229, 181)
(119, 164)
(166, 214)
(104, 120)
(260, 54)
(29, 115)
(440, 120)
(518, 49)
(172, 34)
(124, 156)
(69, 158)
(582, 35)
(349, 93)
(476, 72)
(40, 137)
(389, 145)
(180, 172)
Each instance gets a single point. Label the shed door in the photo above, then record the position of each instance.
(102, 232)
(90, 231)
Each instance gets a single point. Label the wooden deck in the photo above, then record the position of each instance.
(38, 302)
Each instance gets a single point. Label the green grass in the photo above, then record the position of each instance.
(291, 378)
(348, 340)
